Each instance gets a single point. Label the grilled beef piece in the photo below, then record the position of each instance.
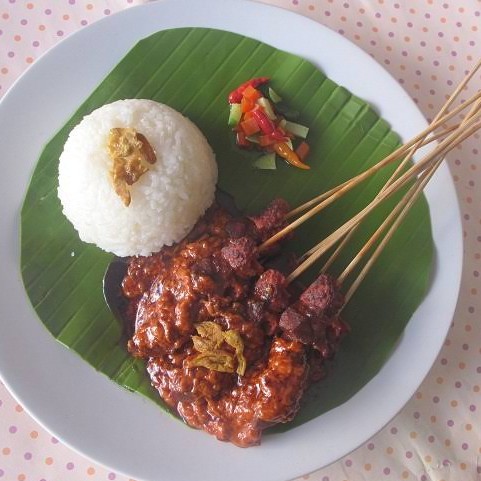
(296, 326)
(241, 254)
(271, 219)
(313, 319)
(323, 296)
(271, 287)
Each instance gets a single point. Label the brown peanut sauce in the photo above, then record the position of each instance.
(216, 275)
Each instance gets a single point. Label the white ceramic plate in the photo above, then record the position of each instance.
(122, 430)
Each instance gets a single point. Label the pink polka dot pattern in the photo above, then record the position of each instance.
(428, 46)
(31, 28)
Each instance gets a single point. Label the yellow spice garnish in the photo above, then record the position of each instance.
(209, 342)
(132, 157)
(214, 360)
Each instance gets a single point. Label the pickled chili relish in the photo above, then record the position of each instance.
(257, 117)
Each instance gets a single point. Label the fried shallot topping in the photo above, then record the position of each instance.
(132, 157)
(209, 342)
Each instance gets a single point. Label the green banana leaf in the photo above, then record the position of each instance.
(193, 70)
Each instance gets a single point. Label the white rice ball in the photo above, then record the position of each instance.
(166, 201)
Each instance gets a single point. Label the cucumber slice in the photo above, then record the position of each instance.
(266, 105)
(297, 129)
(266, 162)
(274, 96)
(235, 115)
(253, 138)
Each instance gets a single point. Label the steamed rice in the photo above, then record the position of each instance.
(166, 201)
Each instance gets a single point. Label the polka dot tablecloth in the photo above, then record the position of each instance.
(427, 45)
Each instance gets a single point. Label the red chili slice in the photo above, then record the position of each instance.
(235, 96)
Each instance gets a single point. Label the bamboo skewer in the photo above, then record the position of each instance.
(440, 115)
(396, 155)
(417, 189)
(388, 220)
(450, 142)
(408, 201)
(413, 150)
(348, 236)
(441, 149)
(332, 191)
(337, 192)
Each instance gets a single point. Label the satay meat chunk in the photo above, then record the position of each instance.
(241, 255)
(296, 326)
(271, 219)
(323, 296)
(271, 287)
